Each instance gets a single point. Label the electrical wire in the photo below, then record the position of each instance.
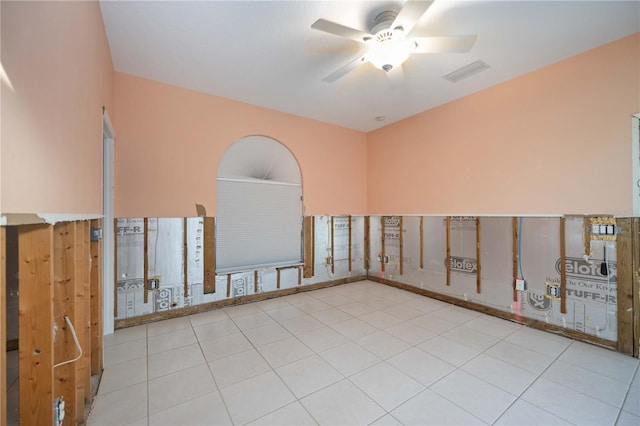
(75, 339)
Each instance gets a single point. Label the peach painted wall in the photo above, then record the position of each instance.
(169, 141)
(57, 59)
(556, 140)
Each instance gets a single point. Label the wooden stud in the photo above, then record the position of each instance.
(421, 242)
(35, 246)
(333, 257)
(635, 287)
(448, 255)
(308, 246)
(382, 242)
(209, 255)
(401, 246)
(96, 303)
(278, 278)
(627, 269)
(514, 255)
(115, 268)
(367, 245)
(478, 256)
(313, 246)
(228, 285)
(86, 322)
(3, 327)
(255, 282)
(185, 257)
(563, 267)
(64, 292)
(299, 275)
(349, 243)
(145, 280)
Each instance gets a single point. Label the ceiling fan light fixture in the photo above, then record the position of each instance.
(389, 49)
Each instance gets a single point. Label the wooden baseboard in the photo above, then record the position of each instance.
(189, 310)
(572, 334)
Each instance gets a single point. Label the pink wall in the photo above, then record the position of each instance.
(557, 140)
(169, 141)
(57, 58)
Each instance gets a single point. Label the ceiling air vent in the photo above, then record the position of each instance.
(466, 71)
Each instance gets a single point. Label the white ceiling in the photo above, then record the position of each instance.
(266, 53)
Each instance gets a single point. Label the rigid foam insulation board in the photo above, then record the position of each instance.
(591, 304)
(165, 256)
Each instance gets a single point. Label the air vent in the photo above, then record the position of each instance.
(466, 71)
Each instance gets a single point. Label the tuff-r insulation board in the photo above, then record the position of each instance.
(591, 295)
(165, 245)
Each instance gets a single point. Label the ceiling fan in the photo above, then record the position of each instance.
(389, 43)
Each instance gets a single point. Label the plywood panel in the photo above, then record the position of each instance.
(64, 291)
(36, 324)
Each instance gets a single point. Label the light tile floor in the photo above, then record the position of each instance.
(358, 354)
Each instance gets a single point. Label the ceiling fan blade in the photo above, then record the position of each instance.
(395, 78)
(340, 72)
(451, 44)
(410, 14)
(340, 30)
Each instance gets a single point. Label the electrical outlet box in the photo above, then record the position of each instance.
(328, 260)
(521, 285)
(153, 283)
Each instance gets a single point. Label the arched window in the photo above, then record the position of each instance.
(259, 206)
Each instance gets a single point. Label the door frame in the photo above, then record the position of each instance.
(108, 238)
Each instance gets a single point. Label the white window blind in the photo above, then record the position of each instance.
(258, 224)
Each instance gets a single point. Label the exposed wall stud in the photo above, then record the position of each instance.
(64, 293)
(185, 257)
(3, 327)
(228, 285)
(333, 257)
(145, 281)
(421, 242)
(401, 246)
(514, 256)
(382, 243)
(349, 243)
(478, 258)
(255, 282)
(309, 242)
(115, 268)
(96, 303)
(627, 273)
(35, 244)
(367, 244)
(448, 255)
(563, 267)
(209, 255)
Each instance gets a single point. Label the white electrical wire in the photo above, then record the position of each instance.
(75, 339)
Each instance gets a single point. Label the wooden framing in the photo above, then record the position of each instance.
(421, 242)
(3, 328)
(299, 275)
(185, 257)
(35, 246)
(209, 255)
(635, 287)
(478, 258)
(277, 279)
(333, 257)
(627, 275)
(82, 307)
(382, 243)
(145, 280)
(115, 268)
(255, 282)
(514, 235)
(563, 266)
(349, 243)
(96, 303)
(367, 244)
(228, 285)
(448, 256)
(64, 292)
(309, 242)
(401, 243)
